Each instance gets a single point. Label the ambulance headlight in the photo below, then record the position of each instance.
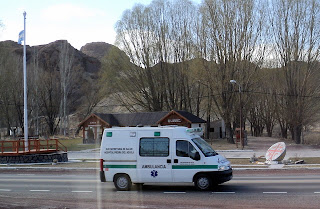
(224, 167)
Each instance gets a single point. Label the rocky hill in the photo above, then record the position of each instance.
(48, 57)
(100, 49)
(87, 61)
(88, 58)
(96, 49)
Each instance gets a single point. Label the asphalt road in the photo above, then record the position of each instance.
(74, 189)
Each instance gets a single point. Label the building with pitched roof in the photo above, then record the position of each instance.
(93, 126)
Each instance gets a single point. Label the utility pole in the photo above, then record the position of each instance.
(26, 142)
(240, 103)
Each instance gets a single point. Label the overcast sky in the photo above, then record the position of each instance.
(78, 21)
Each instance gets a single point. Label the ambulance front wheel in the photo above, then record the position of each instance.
(203, 182)
(122, 182)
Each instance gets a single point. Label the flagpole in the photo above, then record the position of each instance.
(26, 142)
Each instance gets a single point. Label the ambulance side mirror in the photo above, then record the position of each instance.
(196, 156)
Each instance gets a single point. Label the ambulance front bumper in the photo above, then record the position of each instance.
(220, 177)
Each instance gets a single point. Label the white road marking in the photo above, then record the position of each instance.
(317, 192)
(39, 190)
(127, 191)
(81, 191)
(275, 192)
(5, 190)
(26, 174)
(223, 192)
(174, 192)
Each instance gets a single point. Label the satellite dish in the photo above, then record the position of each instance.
(276, 152)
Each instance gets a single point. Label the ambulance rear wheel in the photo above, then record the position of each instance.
(203, 182)
(122, 182)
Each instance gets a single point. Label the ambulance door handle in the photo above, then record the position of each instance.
(168, 160)
(175, 160)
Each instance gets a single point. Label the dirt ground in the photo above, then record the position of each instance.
(259, 144)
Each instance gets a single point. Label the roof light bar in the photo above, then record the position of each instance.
(194, 130)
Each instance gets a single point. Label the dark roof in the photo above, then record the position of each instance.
(143, 118)
(191, 117)
(109, 118)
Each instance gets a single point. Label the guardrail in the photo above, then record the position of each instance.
(18, 147)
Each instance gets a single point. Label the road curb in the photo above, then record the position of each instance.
(234, 167)
(45, 168)
(234, 151)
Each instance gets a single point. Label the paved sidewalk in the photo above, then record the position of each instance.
(289, 153)
(85, 154)
(256, 145)
(226, 153)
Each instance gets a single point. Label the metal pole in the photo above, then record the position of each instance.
(208, 117)
(25, 85)
(241, 140)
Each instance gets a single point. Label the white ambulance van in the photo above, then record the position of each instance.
(160, 155)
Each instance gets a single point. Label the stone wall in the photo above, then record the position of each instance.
(34, 158)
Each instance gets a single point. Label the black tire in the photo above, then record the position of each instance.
(122, 182)
(203, 182)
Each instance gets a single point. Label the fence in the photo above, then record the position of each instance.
(36, 146)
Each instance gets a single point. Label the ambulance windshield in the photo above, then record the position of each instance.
(204, 147)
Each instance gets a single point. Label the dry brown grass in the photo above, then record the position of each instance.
(307, 160)
(312, 138)
(222, 144)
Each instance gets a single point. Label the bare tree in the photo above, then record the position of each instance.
(11, 88)
(296, 37)
(231, 39)
(50, 100)
(5, 83)
(136, 38)
(92, 96)
(154, 37)
(175, 28)
(66, 57)
(34, 77)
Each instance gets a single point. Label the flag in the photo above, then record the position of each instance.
(21, 37)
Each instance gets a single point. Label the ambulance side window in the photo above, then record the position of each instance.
(154, 147)
(185, 149)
